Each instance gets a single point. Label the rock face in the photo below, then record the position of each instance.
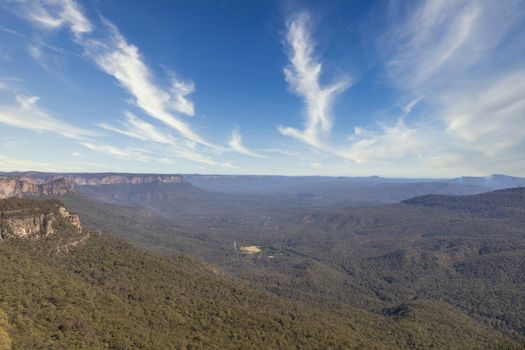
(49, 184)
(20, 186)
(24, 218)
(113, 179)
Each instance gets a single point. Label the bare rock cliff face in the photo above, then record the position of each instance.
(112, 179)
(20, 186)
(28, 219)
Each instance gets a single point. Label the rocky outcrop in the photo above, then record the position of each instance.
(20, 186)
(24, 218)
(17, 184)
(113, 179)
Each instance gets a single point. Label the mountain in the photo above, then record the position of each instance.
(271, 184)
(507, 202)
(493, 182)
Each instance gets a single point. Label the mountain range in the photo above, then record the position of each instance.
(126, 261)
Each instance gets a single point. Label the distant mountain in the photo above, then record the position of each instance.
(338, 185)
(497, 203)
(492, 182)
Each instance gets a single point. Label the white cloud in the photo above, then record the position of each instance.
(471, 80)
(180, 90)
(137, 128)
(123, 153)
(57, 13)
(428, 44)
(123, 61)
(303, 76)
(387, 144)
(28, 115)
(236, 145)
(491, 117)
(10, 164)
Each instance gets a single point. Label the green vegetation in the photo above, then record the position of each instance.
(107, 294)
(445, 270)
(5, 339)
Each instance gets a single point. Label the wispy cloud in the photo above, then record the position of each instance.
(388, 143)
(489, 118)
(11, 164)
(303, 75)
(444, 56)
(236, 145)
(135, 127)
(28, 115)
(57, 13)
(114, 55)
(118, 152)
(139, 129)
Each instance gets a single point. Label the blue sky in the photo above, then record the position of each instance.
(391, 88)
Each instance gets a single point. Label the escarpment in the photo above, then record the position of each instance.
(32, 219)
(49, 184)
(20, 186)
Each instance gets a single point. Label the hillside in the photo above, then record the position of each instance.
(400, 261)
(105, 293)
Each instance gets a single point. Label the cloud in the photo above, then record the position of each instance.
(469, 80)
(180, 90)
(57, 13)
(387, 144)
(28, 115)
(137, 128)
(236, 145)
(303, 75)
(425, 45)
(115, 56)
(10, 164)
(112, 53)
(489, 118)
(123, 153)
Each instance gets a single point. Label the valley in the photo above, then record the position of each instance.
(371, 273)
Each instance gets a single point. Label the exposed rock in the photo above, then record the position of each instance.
(49, 184)
(96, 178)
(23, 218)
(20, 186)
(103, 179)
(252, 249)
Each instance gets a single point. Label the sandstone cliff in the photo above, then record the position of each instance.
(112, 179)
(24, 218)
(20, 186)
(95, 178)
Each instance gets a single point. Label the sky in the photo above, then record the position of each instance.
(339, 88)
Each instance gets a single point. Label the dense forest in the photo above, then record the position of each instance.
(107, 294)
(463, 256)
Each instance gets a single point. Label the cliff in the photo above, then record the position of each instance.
(20, 186)
(113, 179)
(50, 184)
(95, 178)
(26, 219)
